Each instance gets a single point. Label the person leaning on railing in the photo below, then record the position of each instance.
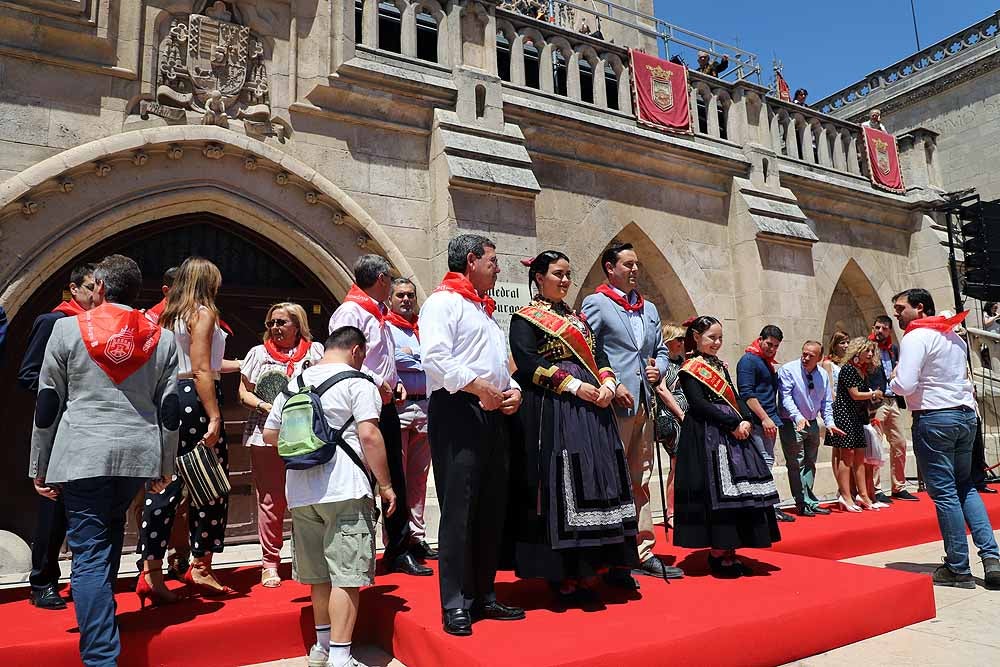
(713, 68)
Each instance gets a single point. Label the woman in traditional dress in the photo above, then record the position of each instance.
(851, 413)
(573, 513)
(724, 494)
(288, 348)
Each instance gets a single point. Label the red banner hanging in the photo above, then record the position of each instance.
(660, 90)
(883, 160)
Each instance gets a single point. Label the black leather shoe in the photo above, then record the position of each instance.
(782, 516)
(457, 622)
(619, 578)
(654, 567)
(496, 611)
(423, 550)
(882, 498)
(47, 598)
(985, 489)
(821, 510)
(805, 510)
(407, 564)
(903, 495)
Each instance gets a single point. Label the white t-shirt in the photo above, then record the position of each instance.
(340, 479)
(258, 362)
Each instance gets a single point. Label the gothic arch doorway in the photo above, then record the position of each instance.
(854, 304)
(256, 271)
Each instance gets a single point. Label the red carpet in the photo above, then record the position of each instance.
(848, 534)
(697, 620)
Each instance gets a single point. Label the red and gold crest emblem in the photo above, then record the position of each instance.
(882, 156)
(660, 87)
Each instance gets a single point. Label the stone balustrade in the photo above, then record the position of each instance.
(980, 37)
(534, 54)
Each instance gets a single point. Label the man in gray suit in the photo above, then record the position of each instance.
(106, 421)
(629, 330)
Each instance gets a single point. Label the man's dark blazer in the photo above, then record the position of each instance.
(31, 364)
(877, 378)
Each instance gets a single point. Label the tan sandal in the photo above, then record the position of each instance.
(269, 577)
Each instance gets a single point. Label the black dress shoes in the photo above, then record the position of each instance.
(457, 622)
(985, 489)
(495, 611)
(654, 567)
(407, 564)
(821, 510)
(47, 598)
(783, 516)
(423, 550)
(805, 510)
(619, 578)
(903, 495)
(882, 498)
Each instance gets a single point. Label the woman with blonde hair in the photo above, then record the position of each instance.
(851, 414)
(287, 349)
(833, 361)
(192, 315)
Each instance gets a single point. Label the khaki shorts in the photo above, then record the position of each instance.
(335, 543)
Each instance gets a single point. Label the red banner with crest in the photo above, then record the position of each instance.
(660, 92)
(883, 160)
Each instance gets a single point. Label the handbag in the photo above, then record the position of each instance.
(665, 426)
(874, 450)
(204, 476)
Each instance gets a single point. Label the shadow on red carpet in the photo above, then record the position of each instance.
(696, 620)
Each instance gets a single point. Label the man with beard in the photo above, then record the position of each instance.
(889, 413)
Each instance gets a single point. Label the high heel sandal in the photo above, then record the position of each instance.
(846, 506)
(144, 589)
(206, 589)
(863, 505)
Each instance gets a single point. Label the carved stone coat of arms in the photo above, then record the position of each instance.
(210, 64)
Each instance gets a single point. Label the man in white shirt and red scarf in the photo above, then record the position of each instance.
(364, 308)
(402, 319)
(472, 394)
(628, 328)
(933, 376)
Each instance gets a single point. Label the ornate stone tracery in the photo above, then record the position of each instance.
(212, 64)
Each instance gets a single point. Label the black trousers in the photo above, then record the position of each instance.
(50, 531)
(979, 464)
(470, 450)
(397, 526)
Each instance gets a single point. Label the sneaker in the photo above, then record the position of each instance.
(318, 656)
(943, 576)
(903, 495)
(991, 577)
(879, 505)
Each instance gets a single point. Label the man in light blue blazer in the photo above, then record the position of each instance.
(629, 330)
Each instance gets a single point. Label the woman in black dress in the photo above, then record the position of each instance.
(851, 414)
(724, 494)
(572, 513)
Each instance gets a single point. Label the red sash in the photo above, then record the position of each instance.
(119, 341)
(153, 314)
(358, 296)
(609, 291)
(561, 328)
(69, 308)
(939, 323)
(755, 349)
(459, 284)
(399, 321)
(712, 379)
(289, 358)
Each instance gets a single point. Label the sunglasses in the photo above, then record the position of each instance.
(276, 323)
(812, 385)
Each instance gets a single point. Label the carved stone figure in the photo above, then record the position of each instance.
(211, 64)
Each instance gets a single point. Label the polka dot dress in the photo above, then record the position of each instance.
(207, 525)
(849, 415)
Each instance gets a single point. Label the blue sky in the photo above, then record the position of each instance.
(825, 46)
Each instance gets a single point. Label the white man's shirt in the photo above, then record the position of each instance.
(460, 342)
(634, 316)
(932, 372)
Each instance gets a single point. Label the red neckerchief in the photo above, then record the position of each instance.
(883, 345)
(119, 341)
(459, 284)
(153, 314)
(754, 348)
(288, 357)
(939, 323)
(358, 296)
(611, 293)
(69, 308)
(398, 320)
